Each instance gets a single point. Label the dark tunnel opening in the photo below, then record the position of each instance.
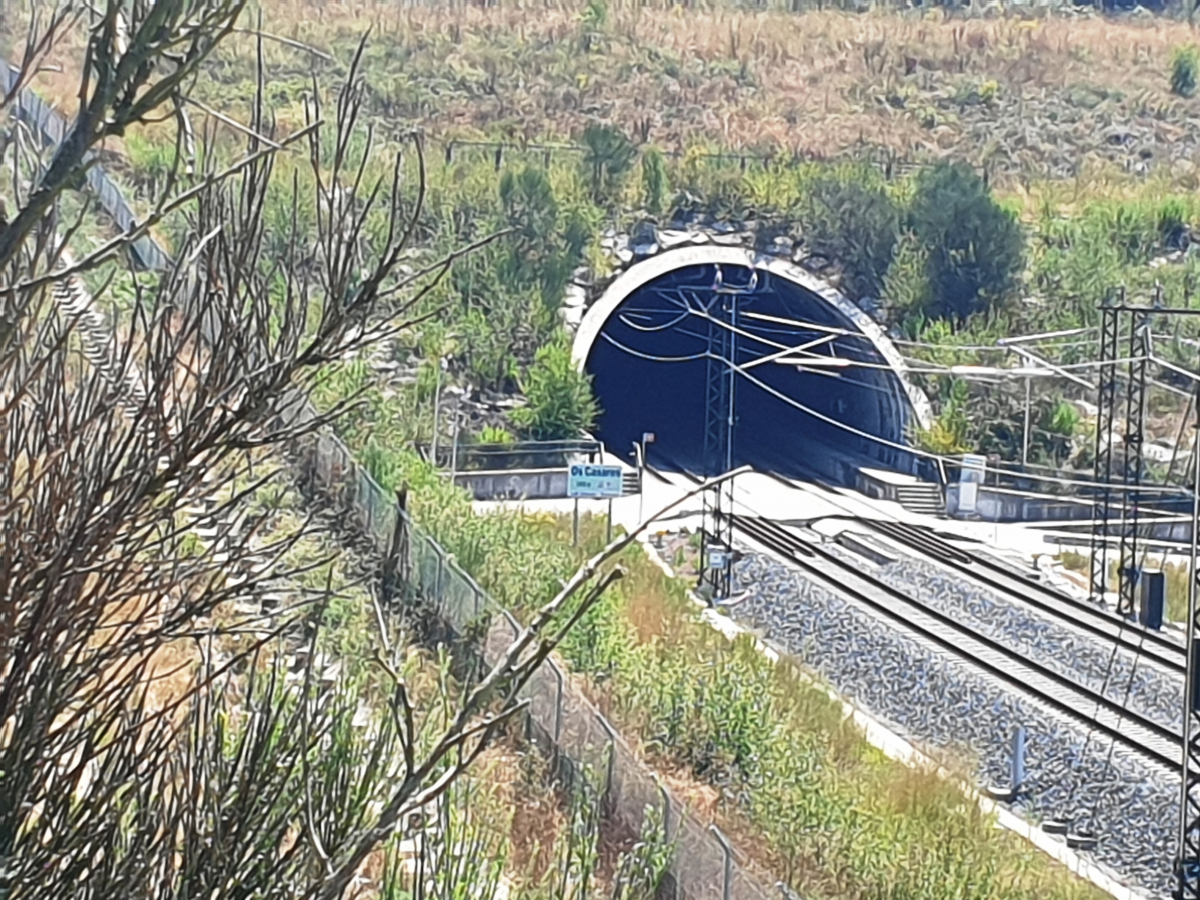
(653, 372)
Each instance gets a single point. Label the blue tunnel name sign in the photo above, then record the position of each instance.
(585, 480)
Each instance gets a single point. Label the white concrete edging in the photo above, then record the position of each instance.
(900, 749)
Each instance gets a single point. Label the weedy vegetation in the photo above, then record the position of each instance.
(895, 145)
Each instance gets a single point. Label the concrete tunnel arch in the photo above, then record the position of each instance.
(651, 379)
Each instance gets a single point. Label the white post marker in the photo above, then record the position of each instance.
(1017, 776)
(442, 366)
(648, 437)
(969, 479)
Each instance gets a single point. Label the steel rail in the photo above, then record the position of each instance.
(1052, 690)
(1156, 647)
(1160, 649)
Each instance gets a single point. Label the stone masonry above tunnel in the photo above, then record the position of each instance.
(818, 389)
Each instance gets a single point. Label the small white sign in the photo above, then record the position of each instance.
(973, 467)
(969, 478)
(586, 480)
(718, 558)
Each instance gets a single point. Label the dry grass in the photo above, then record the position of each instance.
(537, 811)
(1037, 91)
(1075, 97)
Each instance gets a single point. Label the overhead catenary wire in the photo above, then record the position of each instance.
(913, 365)
(624, 317)
(878, 439)
(813, 363)
(651, 357)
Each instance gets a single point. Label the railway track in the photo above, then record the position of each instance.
(1163, 650)
(1052, 690)
(1160, 649)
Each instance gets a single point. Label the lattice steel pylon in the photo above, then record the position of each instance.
(1135, 423)
(1105, 408)
(720, 418)
(718, 433)
(1187, 864)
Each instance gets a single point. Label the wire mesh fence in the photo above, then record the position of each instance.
(510, 153)
(560, 717)
(51, 128)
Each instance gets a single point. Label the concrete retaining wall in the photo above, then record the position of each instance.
(1000, 505)
(515, 484)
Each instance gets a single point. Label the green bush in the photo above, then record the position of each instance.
(494, 434)
(549, 239)
(561, 403)
(1172, 222)
(502, 300)
(654, 181)
(948, 434)
(707, 183)
(856, 223)
(608, 155)
(1185, 61)
(1061, 418)
(906, 284)
(976, 249)
(529, 204)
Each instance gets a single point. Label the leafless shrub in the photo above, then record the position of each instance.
(143, 751)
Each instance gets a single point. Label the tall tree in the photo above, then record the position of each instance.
(975, 247)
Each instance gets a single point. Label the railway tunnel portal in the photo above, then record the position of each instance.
(814, 384)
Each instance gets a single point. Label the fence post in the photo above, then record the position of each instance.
(727, 889)
(672, 876)
(666, 800)
(437, 578)
(558, 702)
(512, 624)
(610, 800)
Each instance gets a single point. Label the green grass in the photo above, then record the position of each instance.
(825, 810)
(1176, 576)
(498, 307)
(873, 85)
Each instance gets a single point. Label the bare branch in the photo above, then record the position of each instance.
(506, 677)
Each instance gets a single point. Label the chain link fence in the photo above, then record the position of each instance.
(560, 719)
(51, 128)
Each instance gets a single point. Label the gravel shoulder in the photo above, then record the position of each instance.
(1137, 684)
(943, 704)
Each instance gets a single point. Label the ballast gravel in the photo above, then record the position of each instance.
(1137, 685)
(939, 701)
